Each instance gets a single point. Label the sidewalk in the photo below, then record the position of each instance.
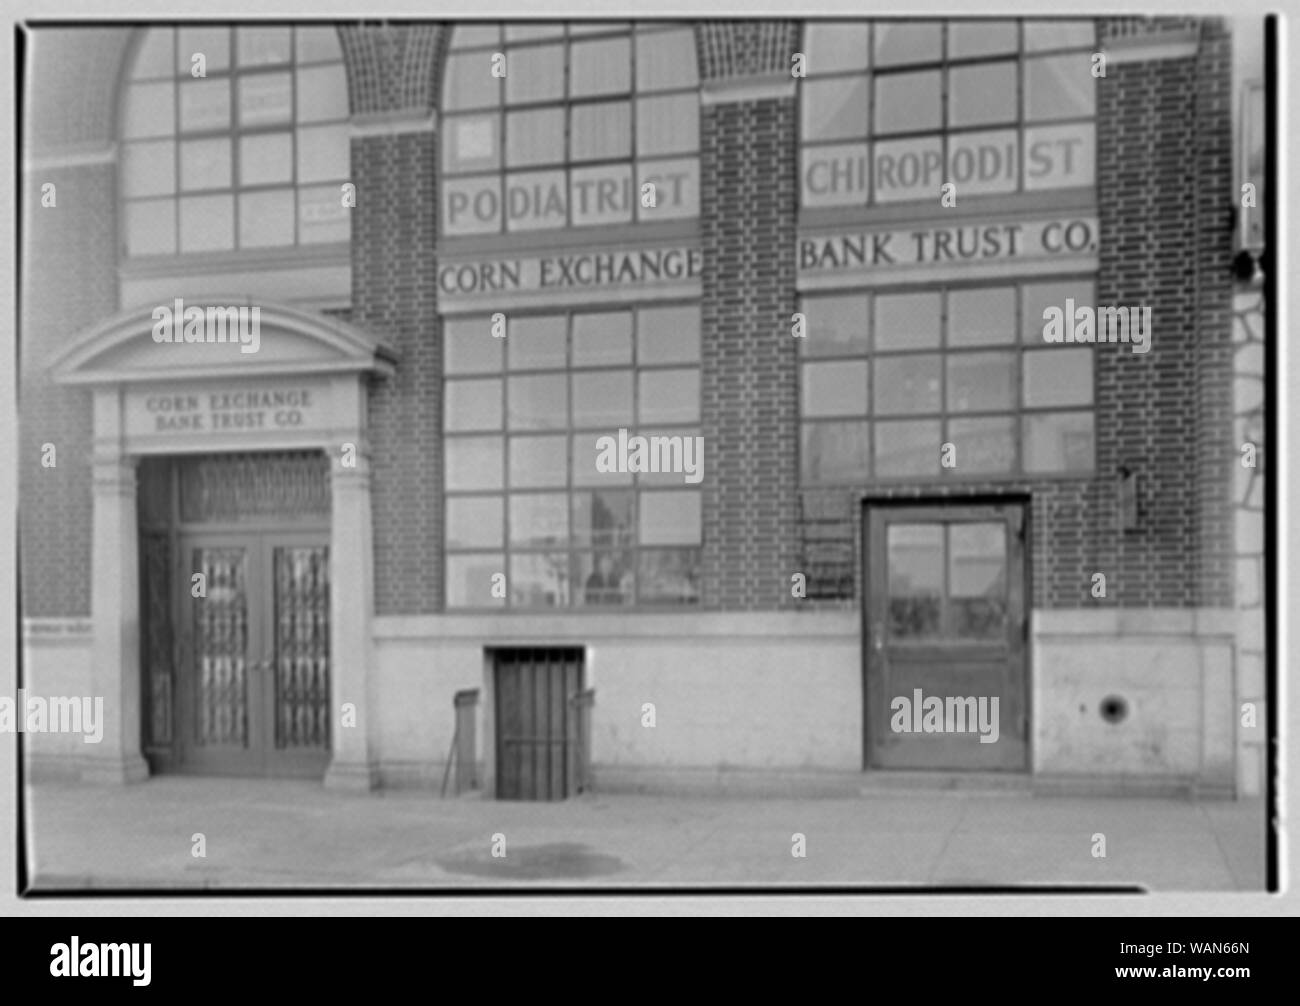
(272, 833)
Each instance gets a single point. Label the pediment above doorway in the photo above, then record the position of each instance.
(219, 337)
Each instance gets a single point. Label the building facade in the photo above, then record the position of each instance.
(647, 405)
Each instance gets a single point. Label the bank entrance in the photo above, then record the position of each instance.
(235, 585)
(945, 636)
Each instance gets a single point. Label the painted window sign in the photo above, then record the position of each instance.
(993, 107)
(584, 119)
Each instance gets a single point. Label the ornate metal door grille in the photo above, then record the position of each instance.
(302, 647)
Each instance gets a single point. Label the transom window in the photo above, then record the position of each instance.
(584, 117)
(890, 111)
(524, 494)
(887, 378)
(252, 154)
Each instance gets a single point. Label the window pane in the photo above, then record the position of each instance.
(322, 217)
(213, 43)
(834, 389)
(909, 169)
(535, 137)
(605, 578)
(601, 66)
(207, 223)
(586, 449)
(906, 384)
(907, 321)
(834, 175)
(981, 382)
(907, 43)
(677, 189)
(156, 57)
(469, 347)
(539, 519)
(318, 44)
(671, 518)
(266, 219)
(602, 519)
(205, 104)
(469, 580)
(835, 45)
(835, 325)
(669, 396)
(666, 60)
(1038, 297)
(535, 73)
(985, 445)
(679, 456)
(1059, 87)
(981, 316)
(909, 448)
(977, 582)
(261, 46)
(149, 169)
(835, 452)
(667, 125)
(472, 405)
(601, 131)
(980, 38)
(323, 153)
(472, 143)
(914, 563)
(908, 102)
(475, 521)
(1059, 157)
(602, 398)
(668, 335)
(1058, 376)
(539, 581)
(473, 462)
(535, 200)
(1059, 34)
(468, 82)
(601, 195)
(538, 403)
(983, 93)
(669, 576)
(535, 342)
(472, 205)
(833, 109)
(538, 462)
(266, 158)
(476, 34)
(529, 32)
(150, 110)
(604, 338)
(1058, 442)
(264, 99)
(151, 227)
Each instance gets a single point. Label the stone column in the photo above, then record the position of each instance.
(115, 602)
(351, 599)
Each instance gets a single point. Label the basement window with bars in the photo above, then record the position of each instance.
(250, 155)
(524, 495)
(888, 377)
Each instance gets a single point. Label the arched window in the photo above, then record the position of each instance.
(554, 125)
(234, 138)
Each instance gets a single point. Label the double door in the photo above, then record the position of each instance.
(254, 682)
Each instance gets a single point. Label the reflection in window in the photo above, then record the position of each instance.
(521, 436)
(250, 156)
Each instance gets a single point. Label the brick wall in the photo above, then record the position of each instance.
(68, 282)
(750, 407)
